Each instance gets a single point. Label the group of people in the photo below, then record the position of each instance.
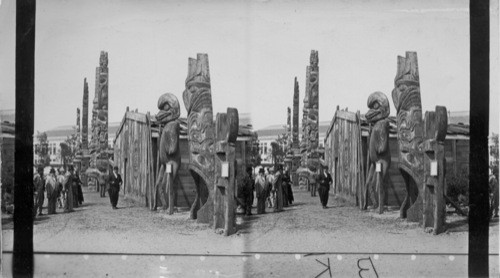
(272, 187)
(63, 190)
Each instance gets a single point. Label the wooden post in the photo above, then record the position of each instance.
(226, 132)
(407, 100)
(436, 124)
(198, 102)
(22, 258)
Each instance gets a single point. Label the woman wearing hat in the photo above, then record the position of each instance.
(261, 189)
(52, 191)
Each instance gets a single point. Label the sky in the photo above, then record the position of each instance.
(255, 50)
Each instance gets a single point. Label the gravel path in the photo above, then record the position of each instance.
(290, 241)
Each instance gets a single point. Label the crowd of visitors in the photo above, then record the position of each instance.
(273, 189)
(64, 190)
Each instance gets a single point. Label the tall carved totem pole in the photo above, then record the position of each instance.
(201, 135)
(85, 133)
(212, 158)
(99, 142)
(406, 98)
(303, 177)
(312, 90)
(295, 135)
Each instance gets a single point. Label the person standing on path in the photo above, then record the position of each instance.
(313, 181)
(52, 191)
(79, 194)
(39, 186)
(324, 186)
(271, 196)
(278, 188)
(493, 183)
(68, 187)
(61, 180)
(248, 188)
(285, 180)
(261, 191)
(115, 182)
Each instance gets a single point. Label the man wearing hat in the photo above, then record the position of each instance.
(51, 188)
(115, 182)
(68, 186)
(324, 180)
(261, 190)
(61, 180)
(39, 187)
(248, 188)
(493, 183)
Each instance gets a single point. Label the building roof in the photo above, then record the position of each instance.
(458, 124)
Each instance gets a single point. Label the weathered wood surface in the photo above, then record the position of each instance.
(169, 153)
(198, 102)
(99, 140)
(434, 208)
(313, 112)
(132, 153)
(343, 157)
(406, 98)
(226, 132)
(379, 153)
(295, 135)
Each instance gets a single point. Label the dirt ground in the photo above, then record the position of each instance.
(304, 240)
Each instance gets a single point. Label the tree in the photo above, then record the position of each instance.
(69, 148)
(42, 149)
(253, 150)
(494, 155)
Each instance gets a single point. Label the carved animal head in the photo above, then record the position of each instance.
(169, 108)
(379, 107)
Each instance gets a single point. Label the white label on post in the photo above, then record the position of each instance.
(378, 167)
(169, 168)
(434, 168)
(225, 170)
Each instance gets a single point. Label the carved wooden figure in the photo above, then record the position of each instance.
(379, 155)
(226, 132)
(295, 134)
(198, 102)
(85, 132)
(312, 90)
(406, 98)
(169, 153)
(436, 124)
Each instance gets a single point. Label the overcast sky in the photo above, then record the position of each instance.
(255, 49)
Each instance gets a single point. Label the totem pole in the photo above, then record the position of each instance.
(226, 133)
(303, 176)
(313, 163)
(288, 147)
(78, 142)
(406, 98)
(295, 135)
(201, 135)
(169, 153)
(379, 155)
(99, 141)
(436, 125)
(85, 132)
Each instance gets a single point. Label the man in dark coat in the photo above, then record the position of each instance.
(39, 186)
(248, 188)
(324, 180)
(115, 182)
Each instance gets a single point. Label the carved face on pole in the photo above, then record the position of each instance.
(169, 108)
(379, 107)
(406, 98)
